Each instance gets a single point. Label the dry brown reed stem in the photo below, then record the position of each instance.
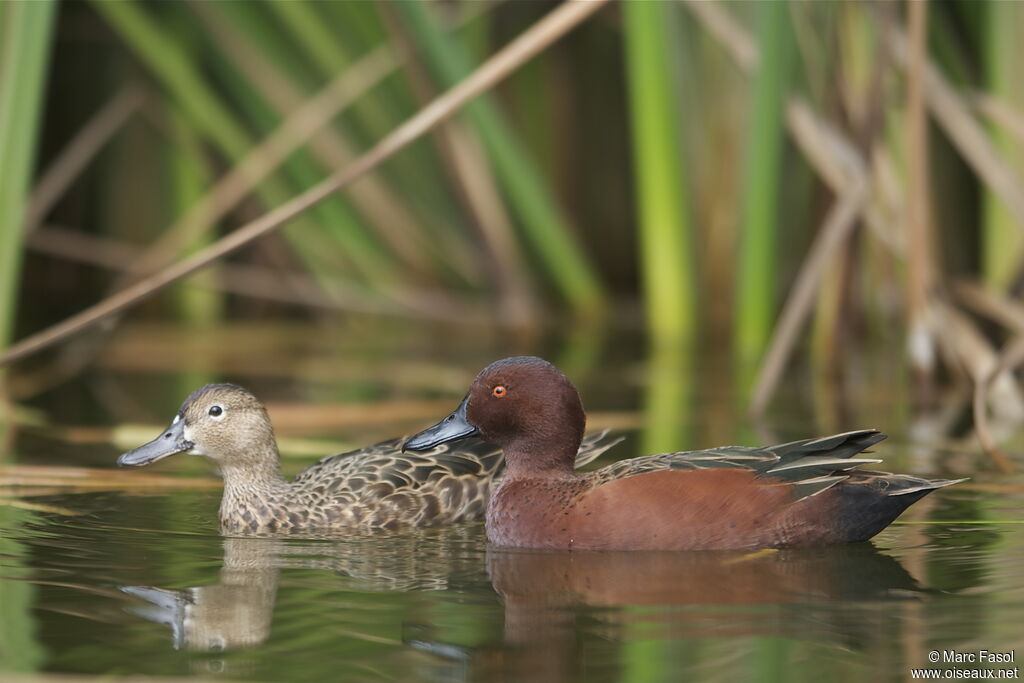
(1009, 313)
(838, 162)
(1010, 357)
(85, 478)
(1001, 114)
(527, 45)
(920, 339)
(730, 35)
(994, 305)
(302, 124)
(830, 160)
(968, 350)
(77, 154)
(401, 231)
(463, 158)
(953, 114)
(289, 287)
(884, 213)
(838, 225)
(476, 183)
(967, 135)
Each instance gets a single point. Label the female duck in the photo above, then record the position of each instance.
(797, 494)
(376, 487)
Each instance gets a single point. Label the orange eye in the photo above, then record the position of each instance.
(499, 391)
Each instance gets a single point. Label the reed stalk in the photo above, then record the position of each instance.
(528, 44)
(25, 30)
(198, 305)
(1002, 237)
(181, 76)
(759, 230)
(336, 238)
(358, 32)
(669, 389)
(359, 27)
(544, 223)
(663, 220)
(246, 40)
(920, 332)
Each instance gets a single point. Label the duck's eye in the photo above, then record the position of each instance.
(216, 411)
(499, 391)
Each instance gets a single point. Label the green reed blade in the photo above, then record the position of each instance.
(665, 233)
(174, 68)
(24, 55)
(180, 73)
(543, 221)
(336, 220)
(759, 233)
(265, 83)
(330, 41)
(1002, 238)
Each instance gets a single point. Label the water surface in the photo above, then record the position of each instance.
(130, 582)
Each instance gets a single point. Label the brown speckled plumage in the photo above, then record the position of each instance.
(374, 487)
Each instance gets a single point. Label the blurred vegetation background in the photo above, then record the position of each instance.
(772, 178)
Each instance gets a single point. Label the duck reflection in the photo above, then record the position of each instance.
(559, 604)
(556, 605)
(846, 572)
(236, 612)
(233, 613)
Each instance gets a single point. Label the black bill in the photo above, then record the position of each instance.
(170, 442)
(453, 427)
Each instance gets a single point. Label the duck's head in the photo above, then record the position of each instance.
(221, 421)
(523, 400)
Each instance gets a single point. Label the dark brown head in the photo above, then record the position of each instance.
(523, 404)
(221, 421)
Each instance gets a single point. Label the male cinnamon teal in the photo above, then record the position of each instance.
(375, 487)
(796, 494)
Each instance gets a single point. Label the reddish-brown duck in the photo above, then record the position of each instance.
(796, 494)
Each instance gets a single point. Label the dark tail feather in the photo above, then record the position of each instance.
(870, 501)
(843, 445)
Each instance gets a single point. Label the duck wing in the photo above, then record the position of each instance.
(812, 465)
(382, 486)
(594, 446)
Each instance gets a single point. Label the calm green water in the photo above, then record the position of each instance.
(143, 584)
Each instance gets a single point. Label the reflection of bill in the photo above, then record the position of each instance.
(205, 618)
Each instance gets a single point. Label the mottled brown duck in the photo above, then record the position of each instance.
(797, 494)
(374, 487)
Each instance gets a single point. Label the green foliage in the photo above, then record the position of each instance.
(544, 222)
(699, 211)
(1002, 238)
(181, 73)
(25, 29)
(665, 234)
(756, 270)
